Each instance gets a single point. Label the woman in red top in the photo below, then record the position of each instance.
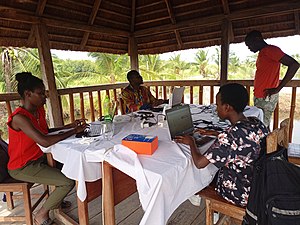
(27, 128)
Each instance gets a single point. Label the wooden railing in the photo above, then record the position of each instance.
(86, 102)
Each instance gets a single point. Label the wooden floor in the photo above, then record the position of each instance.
(128, 212)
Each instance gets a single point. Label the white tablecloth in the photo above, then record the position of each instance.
(204, 113)
(164, 179)
(81, 156)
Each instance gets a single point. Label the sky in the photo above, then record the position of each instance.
(290, 45)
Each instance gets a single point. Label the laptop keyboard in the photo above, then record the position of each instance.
(202, 139)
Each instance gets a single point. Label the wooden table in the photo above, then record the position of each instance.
(295, 160)
(117, 186)
(113, 194)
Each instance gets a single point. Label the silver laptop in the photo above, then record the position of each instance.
(174, 100)
(176, 97)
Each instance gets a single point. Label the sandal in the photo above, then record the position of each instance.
(45, 222)
(65, 204)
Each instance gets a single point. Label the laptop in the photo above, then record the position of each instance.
(180, 122)
(176, 96)
(174, 100)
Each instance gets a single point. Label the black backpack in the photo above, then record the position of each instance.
(274, 197)
(3, 160)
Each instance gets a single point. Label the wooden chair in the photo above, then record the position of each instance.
(122, 105)
(282, 135)
(279, 136)
(230, 212)
(10, 186)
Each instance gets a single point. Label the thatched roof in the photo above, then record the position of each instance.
(158, 25)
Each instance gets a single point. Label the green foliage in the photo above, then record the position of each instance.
(111, 68)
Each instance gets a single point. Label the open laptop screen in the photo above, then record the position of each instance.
(176, 97)
(179, 120)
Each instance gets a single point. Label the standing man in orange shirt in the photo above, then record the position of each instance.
(266, 81)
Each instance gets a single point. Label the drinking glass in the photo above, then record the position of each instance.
(107, 130)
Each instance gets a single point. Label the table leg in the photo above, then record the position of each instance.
(108, 210)
(83, 214)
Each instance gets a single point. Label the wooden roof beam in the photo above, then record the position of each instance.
(269, 10)
(150, 4)
(19, 16)
(170, 11)
(173, 21)
(133, 8)
(225, 7)
(39, 11)
(226, 10)
(178, 39)
(92, 18)
(297, 22)
(189, 3)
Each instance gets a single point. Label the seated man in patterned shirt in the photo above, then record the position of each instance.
(138, 97)
(235, 149)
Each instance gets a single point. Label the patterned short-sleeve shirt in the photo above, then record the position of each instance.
(134, 99)
(234, 153)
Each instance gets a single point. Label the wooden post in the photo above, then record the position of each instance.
(133, 53)
(108, 210)
(54, 107)
(292, 112)
(224, 51)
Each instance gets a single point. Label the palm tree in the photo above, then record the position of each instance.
(15, 60)
(7, 68)
(215, 67)
(201, 62)
(152, 67)
(113, 67)
(247, 68)
(178, 66)
(233, 63)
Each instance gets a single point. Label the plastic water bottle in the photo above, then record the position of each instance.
(107, 109)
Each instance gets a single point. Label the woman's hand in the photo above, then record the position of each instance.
(207, 132)
(186, 139)
(76, 123)
(81, 125)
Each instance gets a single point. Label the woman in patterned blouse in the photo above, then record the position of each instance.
(236, 149)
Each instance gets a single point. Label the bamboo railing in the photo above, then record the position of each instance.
(86, 102)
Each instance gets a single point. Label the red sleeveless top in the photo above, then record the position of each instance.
(21, 148)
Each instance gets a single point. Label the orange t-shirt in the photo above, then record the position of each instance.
(267, 69)
(21, 148)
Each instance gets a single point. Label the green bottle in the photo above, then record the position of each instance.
(107, 109)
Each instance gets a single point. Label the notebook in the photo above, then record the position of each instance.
(180, 122)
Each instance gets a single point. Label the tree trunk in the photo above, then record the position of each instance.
(7, 70)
